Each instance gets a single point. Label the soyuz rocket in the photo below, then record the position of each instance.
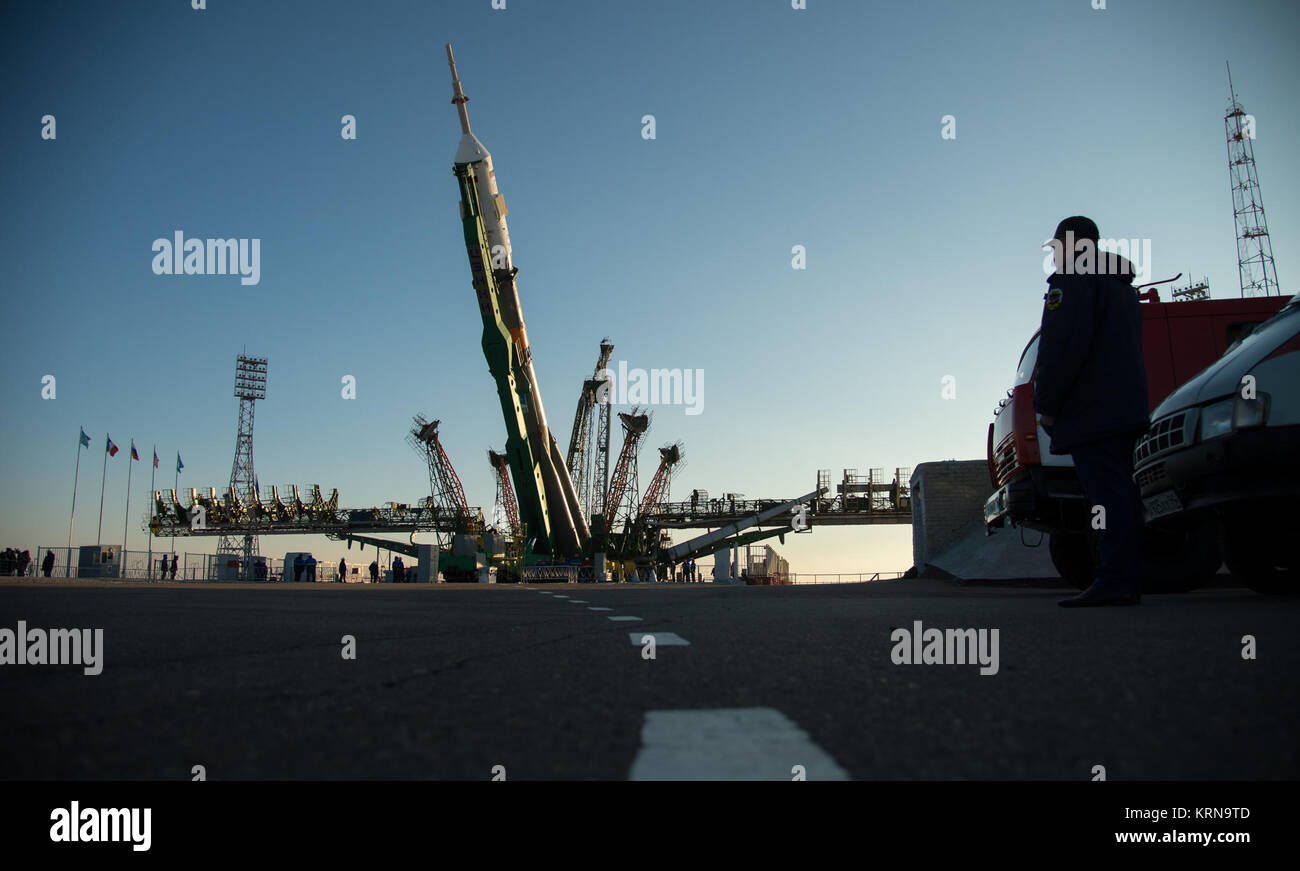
(547, 496)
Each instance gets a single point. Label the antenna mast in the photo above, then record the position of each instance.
(1255, 266)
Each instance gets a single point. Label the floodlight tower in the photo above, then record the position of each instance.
(250, 386)
(1254, 250)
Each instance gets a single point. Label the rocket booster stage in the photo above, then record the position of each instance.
(559, 496)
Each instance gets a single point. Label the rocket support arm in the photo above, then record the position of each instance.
(678, 552)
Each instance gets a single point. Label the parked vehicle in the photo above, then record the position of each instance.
(1222, 456)
(1036, 489)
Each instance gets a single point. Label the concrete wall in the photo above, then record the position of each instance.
(947, 503)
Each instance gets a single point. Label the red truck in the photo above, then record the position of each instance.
(1036, 489)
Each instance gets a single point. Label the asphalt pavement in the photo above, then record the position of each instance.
(482, 681)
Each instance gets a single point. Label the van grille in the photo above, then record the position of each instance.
(1165, 435)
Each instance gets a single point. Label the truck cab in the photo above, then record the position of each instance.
(1039, 490)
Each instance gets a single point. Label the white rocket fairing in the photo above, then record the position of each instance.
(567, 522)
(471, 151)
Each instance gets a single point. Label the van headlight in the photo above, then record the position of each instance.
(1230, 415)
(1247, 413)
(1216, 419)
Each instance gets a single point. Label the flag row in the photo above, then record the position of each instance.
(112, 449)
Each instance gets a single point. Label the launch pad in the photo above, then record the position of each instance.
(556, 508)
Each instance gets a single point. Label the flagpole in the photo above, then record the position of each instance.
(126, 523)
(176, 494)
(99, 536)
(75, 473)
(153, 471)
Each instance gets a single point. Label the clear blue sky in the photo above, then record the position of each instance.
(775, 128)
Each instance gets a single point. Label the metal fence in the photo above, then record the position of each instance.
(552, 574)
(859, 578)
(135, 565)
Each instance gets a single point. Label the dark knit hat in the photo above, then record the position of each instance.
(1083, 228)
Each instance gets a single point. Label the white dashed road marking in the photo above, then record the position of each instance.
(600, 609)
(662, 639)
(728, 744)
(624, 619)
(578, 601)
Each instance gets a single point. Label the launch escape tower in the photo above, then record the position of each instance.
(1254, 249)
(250, 386)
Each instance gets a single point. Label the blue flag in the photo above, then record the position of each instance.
(85, 439)
(179, 464)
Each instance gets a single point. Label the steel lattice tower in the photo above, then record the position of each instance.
(588, 458)
(250, 386)
(506, 494)
(624, 487)
(670, 463)
(448, 494)
(598, 489)
(600, 474)
(1255, 265)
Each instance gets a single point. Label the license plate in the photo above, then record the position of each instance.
(1161, 504)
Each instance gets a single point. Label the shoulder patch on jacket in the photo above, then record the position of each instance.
(1053, 298)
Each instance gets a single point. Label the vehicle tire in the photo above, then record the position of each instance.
(1179, 559)
(1074, 556)
(1259, 568)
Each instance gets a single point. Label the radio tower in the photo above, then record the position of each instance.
(1254, 250)
(250, 385)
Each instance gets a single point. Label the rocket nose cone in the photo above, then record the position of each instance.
(471, 150)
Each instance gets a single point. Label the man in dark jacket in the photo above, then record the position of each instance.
(1091, 395)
